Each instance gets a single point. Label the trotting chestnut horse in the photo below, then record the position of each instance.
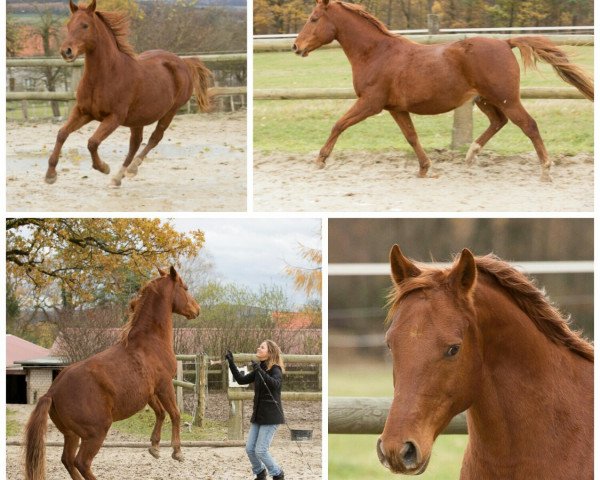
(88, 396)
(481, 337)
(119, 87)
(392, 73)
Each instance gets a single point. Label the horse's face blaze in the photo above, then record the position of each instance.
(318, 31)
(81, 35)
(437, 367)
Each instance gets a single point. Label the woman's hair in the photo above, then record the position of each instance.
(275, 356)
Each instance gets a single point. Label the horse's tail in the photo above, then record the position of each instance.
(35, 440)
(539, 48)
(201, 77)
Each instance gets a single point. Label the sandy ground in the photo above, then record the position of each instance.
(300, 460)
(200, 165)
(363, 181)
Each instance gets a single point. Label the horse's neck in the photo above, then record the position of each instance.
(154, 322)
(528, 382)
(100, 63)
(359, 39)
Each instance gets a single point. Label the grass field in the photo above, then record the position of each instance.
(12, 426)
(353, 456)
(303, 125)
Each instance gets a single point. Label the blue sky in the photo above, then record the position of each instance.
(254, 251)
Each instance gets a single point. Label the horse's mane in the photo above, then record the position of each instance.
(532, 300)
(118, 24)
(135, 307)
(359, 10)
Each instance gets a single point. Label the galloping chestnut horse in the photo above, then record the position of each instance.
(119, 87)
(481, 337)
(393, 73)
(88, 396)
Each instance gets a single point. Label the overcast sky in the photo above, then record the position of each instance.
(252, 252)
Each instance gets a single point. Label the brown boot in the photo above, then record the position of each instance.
(281, 476)
(262, 475)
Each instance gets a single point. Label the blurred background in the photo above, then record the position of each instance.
(359, 364)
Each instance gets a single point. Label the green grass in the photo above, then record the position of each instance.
(13, 428)
(142, 423)
(303, 125)
(353, 456)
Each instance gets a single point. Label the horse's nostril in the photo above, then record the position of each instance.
(294, 47)
(409, 455)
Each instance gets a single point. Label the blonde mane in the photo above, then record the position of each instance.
(359, 10)
(523, 290)
(118, 24)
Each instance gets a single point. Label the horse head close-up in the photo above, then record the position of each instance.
(480, 337)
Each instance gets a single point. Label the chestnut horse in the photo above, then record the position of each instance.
(119, 87)
(481, 337)
(88, 396)
(393, 73)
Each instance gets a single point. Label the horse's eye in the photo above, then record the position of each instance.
(84, 26)
(314, 19)
(452, 350)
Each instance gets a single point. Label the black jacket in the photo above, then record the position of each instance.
(265, 410)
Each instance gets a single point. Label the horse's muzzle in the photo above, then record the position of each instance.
(68, 54)
(407, 461)
(299, 51)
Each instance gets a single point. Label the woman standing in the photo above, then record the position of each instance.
(267, 413)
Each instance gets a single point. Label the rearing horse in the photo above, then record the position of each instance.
(393, 73)
(480, 337)
(88, 396)
(119, 87)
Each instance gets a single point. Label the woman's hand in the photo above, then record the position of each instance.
(229, 356)
(255, 365)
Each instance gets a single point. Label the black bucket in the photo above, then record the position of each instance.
(301, 435)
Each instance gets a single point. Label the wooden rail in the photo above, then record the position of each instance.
(367, 415)
(285, 44)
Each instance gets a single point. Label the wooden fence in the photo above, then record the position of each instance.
(237, 395)
(212, 61)
(365, 415)
(200, 385)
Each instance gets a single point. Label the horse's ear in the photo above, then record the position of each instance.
(73, 7)
(173, 273)
(325, 2)
(91, 8)
(464, 274)
(402, 267)
(161, 272)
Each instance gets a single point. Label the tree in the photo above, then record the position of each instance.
(14, 36)
(67, 262)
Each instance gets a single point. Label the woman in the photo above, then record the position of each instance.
(267, 413)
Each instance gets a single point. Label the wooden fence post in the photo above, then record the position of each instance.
(201, 388)
(462, 127)
(236, 413)
(180, 389)
(433, 24)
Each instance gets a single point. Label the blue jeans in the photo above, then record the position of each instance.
(257, 449)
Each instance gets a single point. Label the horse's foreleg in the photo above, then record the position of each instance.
(135, 141)
(408, 129)
(106, 127)
(166, 396)
(156, 137)
(75, 121)
(363, 108)
(497, 121)
(519, 116)
(159, 411)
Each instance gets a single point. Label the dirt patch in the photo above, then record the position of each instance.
(365, 181)
(200, 165)
(300, 460)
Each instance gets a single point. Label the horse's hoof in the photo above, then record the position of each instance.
(115, 183)
(154, 452)
(320, 163)
(50, 179)
(131, 171)
(546, 178)
(177, 456)
(105, 168)
(422, 173)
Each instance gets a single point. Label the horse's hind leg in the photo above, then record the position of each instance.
(69, 453)
(108, 125)
(497, 121)
(156, 137)
(166, 396)
(159, 411)
(88, 450)
(75, 122)
(519, 116)
(408, 129)
(135, 140)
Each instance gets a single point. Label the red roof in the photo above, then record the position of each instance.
(19, 349)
